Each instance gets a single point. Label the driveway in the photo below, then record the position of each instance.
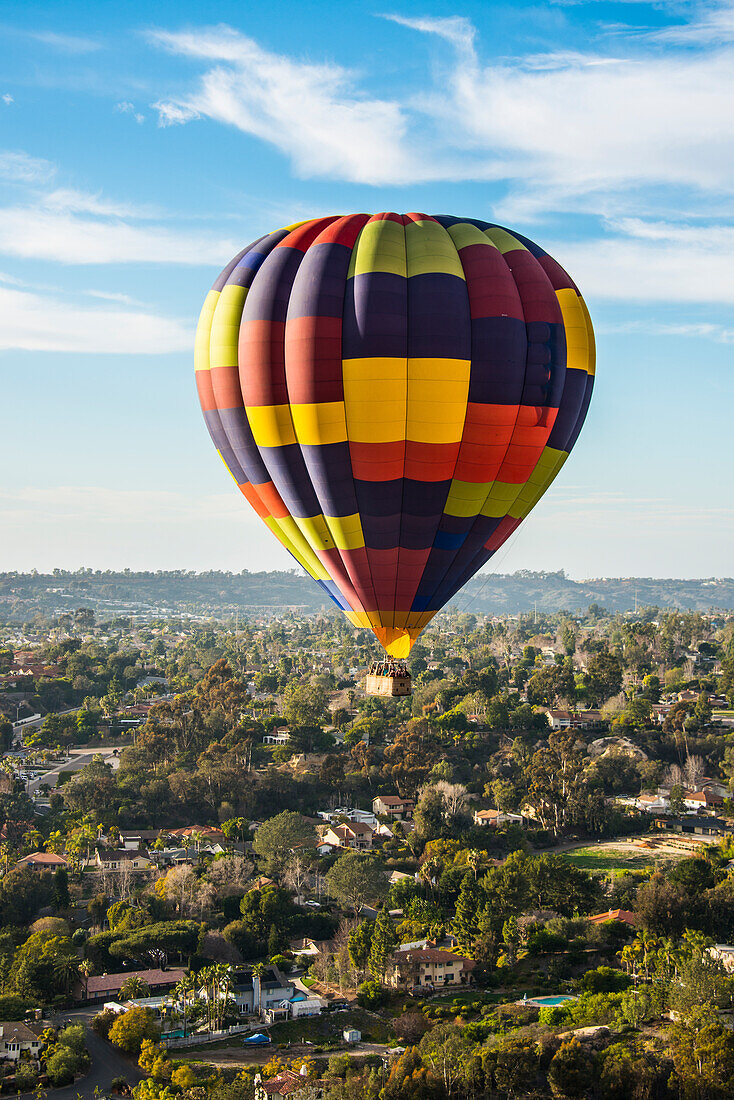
(107, 1063)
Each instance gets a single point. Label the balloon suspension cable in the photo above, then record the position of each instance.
(488, 575)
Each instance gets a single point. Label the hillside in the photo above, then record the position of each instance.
(24, 594)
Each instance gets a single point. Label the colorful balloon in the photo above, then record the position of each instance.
(393, 394)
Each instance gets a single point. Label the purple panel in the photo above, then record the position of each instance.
(498, 354)
(318, 290)
(330, 469)
(574, 393)
(267, 299)
(374, 322)
(221, 442)
(439, 325)
(290, 477)
(239, 434)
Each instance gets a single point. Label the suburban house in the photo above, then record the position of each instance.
(285, 1084)
(428, 968)
(653, 803)
(702, 800)
(277, 737)
(253, 994)
(723, 953)
(106, 987)
(310, 947)
(623, 916)
(494, 818)
(352, 834)
(43, 861)
(695, 826)
(575, 719)
(392, 805)
(17, 1038)
(121, 859)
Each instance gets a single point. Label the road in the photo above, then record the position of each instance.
(79, 758)
(107, 1063)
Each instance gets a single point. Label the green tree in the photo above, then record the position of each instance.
(469, 904)
(356, 879)
(384, 941)
(359, 944)
(572, 1071)
(703, 1056)
(277, 837)
(304, 704)
(129, 1030)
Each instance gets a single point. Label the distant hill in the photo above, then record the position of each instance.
(24, 594)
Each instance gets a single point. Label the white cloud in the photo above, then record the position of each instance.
(312, 113)
(66, 43)
(454, 28)
(696, 330)
(128, 108)
(654, 262)
(565, 130)
(22, 168)
(7, 99)
(35, 322)
(713, 23)
(67, 237)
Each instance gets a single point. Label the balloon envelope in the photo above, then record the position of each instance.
(393, 394)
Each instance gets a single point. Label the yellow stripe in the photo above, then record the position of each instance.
(438, 390)
(380, 246)
(289, 533)
(504, 240)
(346, 531)
(499, 499)
(465, 498)
(464, 234)
(315, 529)
(319, 423)
(226, 326)
(271, 425)
(548, 468)
(203, 331)
(579, 356)
(431, 250)
(592, 341)
(375, 395)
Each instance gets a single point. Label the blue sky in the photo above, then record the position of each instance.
(136, 157)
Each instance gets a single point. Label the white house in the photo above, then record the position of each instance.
(493, 818)
(17, 1037)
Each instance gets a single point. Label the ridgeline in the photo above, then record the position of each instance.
(178, 592)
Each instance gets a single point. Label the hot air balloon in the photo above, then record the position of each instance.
(393, 394)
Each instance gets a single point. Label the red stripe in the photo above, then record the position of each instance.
(492, 290)
(205, 391)
(377, 461)
(304, 235)
(502, 532)
(252, 496)
(262, 363)
(272, 500)
(226, 386)
(560, 279)
(313, 354)
(538, 298)
(430, 461)
(344, 230)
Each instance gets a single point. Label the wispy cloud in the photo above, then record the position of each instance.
(22, 168)
(70, 227)
(66, 43)
(315, 114)
(563, 129)
(41, 322)
(125, 107)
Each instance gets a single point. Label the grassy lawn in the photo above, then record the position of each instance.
(607, 860)
(308, 982)
(326, 1029)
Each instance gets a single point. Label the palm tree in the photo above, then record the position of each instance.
(134, 986)
(475, 859)
(85, 969)
(257, 972)
(66, 969)
(182, 989)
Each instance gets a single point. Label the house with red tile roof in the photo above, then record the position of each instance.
(622, 915)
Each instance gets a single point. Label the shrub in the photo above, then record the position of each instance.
(129, 1030)
(73, 1038)
(26, 1077)
(62, 1064)
(282, 963)
(103, 1021)
(605, 979)
(371, 995)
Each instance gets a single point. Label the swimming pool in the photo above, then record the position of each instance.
(547, 1002)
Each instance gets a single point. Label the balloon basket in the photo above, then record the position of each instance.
(389, 679)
